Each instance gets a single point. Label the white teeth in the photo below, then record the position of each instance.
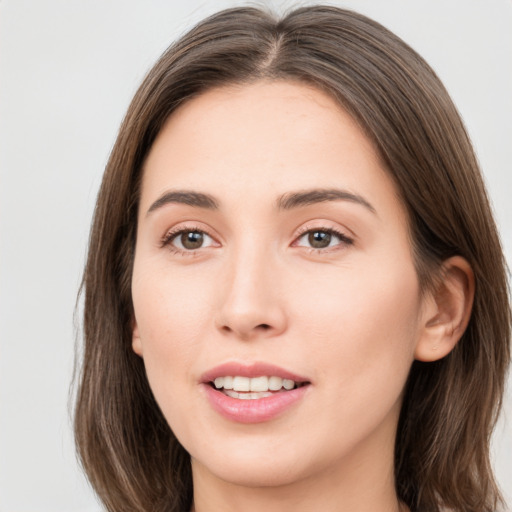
(256, 384)
(241, 383)
(288, 384)
(247, 396)
(275, 383)
(259, 384)
(228, 382)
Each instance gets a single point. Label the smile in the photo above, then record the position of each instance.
(247, 388)
(253, 393)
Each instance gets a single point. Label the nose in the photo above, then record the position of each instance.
(252, 304)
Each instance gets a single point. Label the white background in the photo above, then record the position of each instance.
(68, 69)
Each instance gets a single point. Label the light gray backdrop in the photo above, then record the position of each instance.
(68, 69)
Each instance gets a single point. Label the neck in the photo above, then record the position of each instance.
(287, 499)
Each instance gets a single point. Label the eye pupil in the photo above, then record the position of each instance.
(192, 239)
(319, 239)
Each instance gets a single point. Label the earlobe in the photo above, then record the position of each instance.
(136, 343)
(447, 311)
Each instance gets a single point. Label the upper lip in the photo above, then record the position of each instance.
(253, 369)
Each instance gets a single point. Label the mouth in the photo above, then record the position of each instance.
(254, 388)
(253, 392)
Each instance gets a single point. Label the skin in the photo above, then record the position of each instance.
(350, 317)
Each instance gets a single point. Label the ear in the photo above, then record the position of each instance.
(136, 343)
(446, 310)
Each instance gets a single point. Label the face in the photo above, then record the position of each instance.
(273, 253)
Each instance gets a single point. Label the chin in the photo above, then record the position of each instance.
(252, 474)
(259, 461)
(248, 460)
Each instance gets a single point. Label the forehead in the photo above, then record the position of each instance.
(261, 139)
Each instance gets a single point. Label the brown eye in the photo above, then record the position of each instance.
(190, 240)
(322, 238)
(319, 239)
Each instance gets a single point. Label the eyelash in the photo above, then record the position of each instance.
(344, 239)
(170, 236)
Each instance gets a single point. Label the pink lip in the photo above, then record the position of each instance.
(252, 411)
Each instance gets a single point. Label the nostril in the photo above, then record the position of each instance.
(244, 329)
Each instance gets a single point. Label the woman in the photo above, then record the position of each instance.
(295, 296)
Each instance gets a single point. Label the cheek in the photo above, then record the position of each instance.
(363, 323)
(171, 313)
(358, 332)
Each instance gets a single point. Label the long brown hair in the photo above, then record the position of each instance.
(130, 454)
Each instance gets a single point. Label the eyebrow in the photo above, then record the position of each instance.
(196, 199)
(308, 197)
(287, 201)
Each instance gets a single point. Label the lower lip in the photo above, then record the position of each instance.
(253, 411)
